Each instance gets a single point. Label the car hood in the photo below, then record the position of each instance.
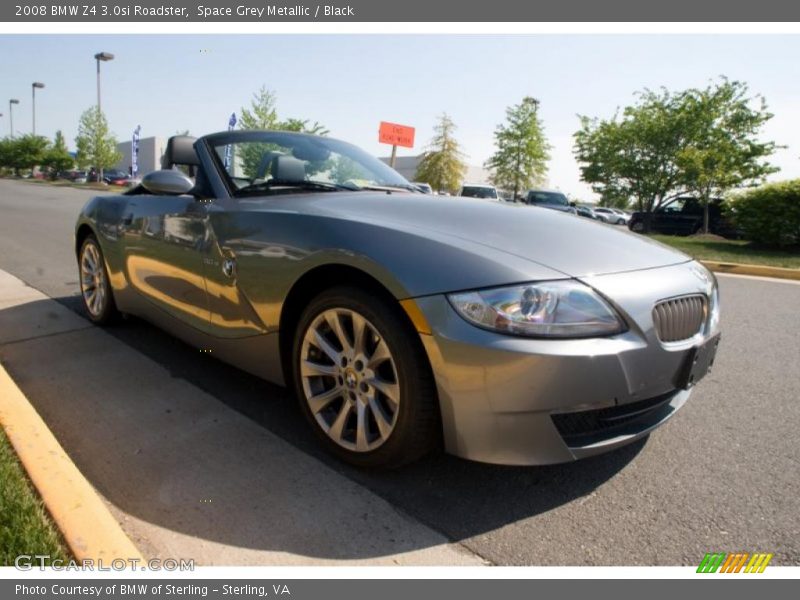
(563, 242)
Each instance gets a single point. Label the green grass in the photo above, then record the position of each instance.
(25, 525)
(733, 251)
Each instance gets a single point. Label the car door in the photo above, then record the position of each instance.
(231, 313)
(666, 217)
(691, 217)
(165, 244)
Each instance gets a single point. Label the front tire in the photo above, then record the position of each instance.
(363, 380)
(96, 292)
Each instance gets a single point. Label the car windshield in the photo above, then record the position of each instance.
(268, 162)
(548, 198)
(476, 191)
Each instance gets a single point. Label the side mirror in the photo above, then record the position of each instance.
(168, 182)
(573, 204)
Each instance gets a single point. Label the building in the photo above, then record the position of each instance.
(151, 150)
(407, 167)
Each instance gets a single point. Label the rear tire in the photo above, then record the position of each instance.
(96, 292)
(363, 380)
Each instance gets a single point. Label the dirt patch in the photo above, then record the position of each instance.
(710, 237)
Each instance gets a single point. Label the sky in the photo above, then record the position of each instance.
(349, 83)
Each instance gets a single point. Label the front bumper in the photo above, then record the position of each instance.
(523, 401)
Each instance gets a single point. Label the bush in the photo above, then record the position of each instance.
(770, 214)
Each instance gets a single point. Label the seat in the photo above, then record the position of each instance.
(180, 152)
(265, 164)
(287, 169)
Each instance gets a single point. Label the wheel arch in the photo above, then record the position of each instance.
(84, 230)
(314, 282)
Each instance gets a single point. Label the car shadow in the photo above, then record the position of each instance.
(458, 498)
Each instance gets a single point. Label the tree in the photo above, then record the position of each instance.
(22, 153)
(57, 158)
(344, 169)
(5, 154)
(702, 142)
(635, 156)
(442, 164)
(522, 149)
(302, 126)
(262, 114)
(97, 147)
(724, 151)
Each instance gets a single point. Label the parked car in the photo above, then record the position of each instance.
(478, 190)
(74, 175)
(612, 215)
(116, 177)
(588, 212)
(505, 195)
(549, 199)
(517, 336)
(423, 187)
(684, 216)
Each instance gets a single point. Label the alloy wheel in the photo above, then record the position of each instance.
(349, 379)
(93, 280)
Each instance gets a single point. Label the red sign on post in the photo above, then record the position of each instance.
(396, 135)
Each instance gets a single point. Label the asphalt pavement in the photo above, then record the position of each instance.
(722, 476)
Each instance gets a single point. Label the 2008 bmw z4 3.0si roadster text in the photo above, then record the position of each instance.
(515, 334)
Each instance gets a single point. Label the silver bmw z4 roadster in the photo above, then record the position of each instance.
(511, 333)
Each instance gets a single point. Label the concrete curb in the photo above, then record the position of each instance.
(756, 270)
(91, 532)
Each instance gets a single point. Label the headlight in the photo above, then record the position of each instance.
(705, 275)
(558, 309)
(713, 317)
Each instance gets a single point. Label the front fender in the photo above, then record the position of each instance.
(274, 250)
(103, 216)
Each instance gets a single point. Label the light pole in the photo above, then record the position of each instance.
(34, 86)
(11, 104)
(104, 57)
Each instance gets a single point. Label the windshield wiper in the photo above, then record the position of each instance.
(306, 185)
(385, 188)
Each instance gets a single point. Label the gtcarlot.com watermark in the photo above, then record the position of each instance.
(28, 562)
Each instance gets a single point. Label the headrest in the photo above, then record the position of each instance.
(180, 151)
(266, 163)
(288, 168)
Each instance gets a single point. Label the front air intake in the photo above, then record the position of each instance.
(679, 319)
